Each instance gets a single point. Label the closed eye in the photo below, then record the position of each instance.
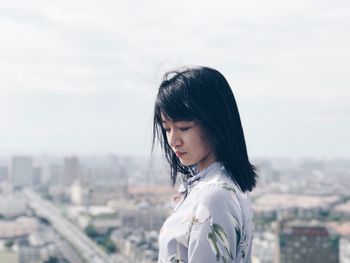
(184, 128)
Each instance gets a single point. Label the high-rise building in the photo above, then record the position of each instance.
(305, 243)
(3, 173)
(22, 171)
(37, 173)
(56, 174)
(71, 170)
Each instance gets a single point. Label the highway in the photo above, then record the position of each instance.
(86, 248)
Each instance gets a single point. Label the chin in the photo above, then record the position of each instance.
(187, 163)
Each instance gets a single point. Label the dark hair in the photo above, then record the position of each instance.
(203, 95)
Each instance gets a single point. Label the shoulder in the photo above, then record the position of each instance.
(218, 184)
(218, 204)
(218, 193)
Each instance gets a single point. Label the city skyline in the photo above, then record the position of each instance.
(97, 210)
(81, 77)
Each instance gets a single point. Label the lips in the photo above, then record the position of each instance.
(180, 154)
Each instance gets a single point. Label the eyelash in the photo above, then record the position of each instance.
(182, 129)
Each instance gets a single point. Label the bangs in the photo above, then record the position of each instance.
(175, 106)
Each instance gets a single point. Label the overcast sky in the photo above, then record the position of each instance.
(80, 77)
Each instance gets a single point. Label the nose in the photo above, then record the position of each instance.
(174, 139)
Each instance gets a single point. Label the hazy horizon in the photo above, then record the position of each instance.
(81, 77)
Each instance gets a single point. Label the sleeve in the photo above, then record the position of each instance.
(215, 229)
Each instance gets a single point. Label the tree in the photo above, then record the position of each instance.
(108, 244)
(9, 244)
(52, 260)
(91, 231)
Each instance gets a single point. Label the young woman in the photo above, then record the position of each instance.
(198, 125)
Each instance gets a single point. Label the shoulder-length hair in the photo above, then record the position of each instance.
(203, 95)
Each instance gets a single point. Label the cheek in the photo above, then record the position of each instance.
(200, 145)
(204, 143)
(205, 147)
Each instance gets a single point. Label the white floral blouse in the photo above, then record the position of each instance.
(213, 223)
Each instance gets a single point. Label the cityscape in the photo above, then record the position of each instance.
(110, 208)
(79, 81)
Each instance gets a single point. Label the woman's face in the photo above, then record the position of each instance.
(189, 142)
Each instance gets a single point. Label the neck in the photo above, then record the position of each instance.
(210, 159)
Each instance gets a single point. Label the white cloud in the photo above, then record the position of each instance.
(90, 62)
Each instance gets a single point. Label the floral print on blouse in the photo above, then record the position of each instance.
(211, 221)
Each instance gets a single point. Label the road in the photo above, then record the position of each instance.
(85, 247)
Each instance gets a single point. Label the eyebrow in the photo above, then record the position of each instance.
(165, 121)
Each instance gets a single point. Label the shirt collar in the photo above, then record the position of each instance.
(198, 176)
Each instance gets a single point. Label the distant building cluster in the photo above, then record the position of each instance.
(21, 172)
(119, 203)
(136, 244)
(304, 243)
(301, 211)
